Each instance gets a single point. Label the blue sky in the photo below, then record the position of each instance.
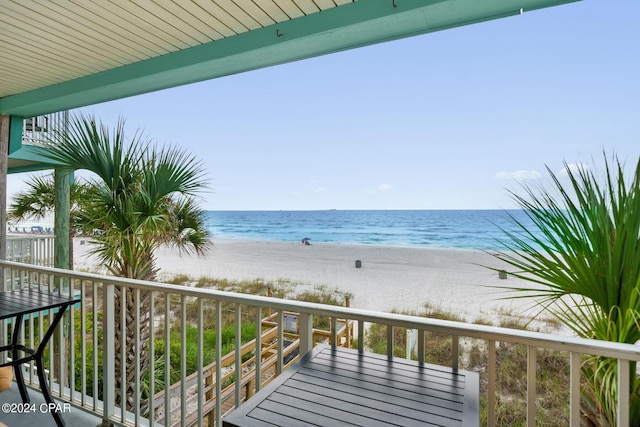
(447, 120)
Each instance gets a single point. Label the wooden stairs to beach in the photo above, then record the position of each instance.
(269, 368)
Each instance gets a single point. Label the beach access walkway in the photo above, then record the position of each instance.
(267, 369)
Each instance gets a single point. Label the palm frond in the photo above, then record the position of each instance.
(585, 252)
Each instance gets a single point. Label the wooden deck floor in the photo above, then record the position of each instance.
(340, 387)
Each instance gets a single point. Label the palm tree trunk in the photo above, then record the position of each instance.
(131, 346)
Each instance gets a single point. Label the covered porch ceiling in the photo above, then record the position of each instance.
(59, 55)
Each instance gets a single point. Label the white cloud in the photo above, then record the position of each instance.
(378, 189)
(319, 190)
(519, 175)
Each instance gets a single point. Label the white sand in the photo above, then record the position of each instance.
(390, 277)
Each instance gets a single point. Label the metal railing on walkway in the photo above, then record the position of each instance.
(104, 360)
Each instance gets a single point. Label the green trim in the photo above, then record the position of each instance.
(15, 134)
(345, 27)
(33, 160)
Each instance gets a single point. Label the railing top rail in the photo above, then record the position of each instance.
(536, 339)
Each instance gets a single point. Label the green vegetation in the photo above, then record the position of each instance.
(587, 259)
(280, 289)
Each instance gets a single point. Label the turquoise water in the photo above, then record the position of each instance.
(468, 229)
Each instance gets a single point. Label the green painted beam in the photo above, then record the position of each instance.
(15, 134)
(341, 28)
(28, 158)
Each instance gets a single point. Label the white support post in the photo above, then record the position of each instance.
(108, 356)
(624, 384)
(491, 388)
(455, 351)
(360, 335)
(238, 356)
(306, 333)
(531, 386)
(258, 348)
(280, 342)
(574, 390)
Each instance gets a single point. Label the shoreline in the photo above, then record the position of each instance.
(390, 278)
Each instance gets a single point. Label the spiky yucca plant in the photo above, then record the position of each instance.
(586, 255)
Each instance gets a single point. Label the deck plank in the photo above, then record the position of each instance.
(341, 387)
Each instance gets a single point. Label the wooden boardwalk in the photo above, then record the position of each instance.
(269, 369)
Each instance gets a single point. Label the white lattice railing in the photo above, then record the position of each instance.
(31, 249)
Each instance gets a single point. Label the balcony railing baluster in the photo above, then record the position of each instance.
(455, 351)
(167, 359)
(136, 400)
(108, 350)
(491, 387)
(200, 361)
(152, 361)
(183, 359)
(238, 356)
(531, 385)
(218, 379)
(624, 371)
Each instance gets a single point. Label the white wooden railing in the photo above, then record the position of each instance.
(31, 249)
(91, 385)
(40, 130)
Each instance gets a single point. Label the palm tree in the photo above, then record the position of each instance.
(37, 201)
(585, 254)
(142, 197)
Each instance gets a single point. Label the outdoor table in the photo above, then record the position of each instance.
(341, 387)
(16, 304)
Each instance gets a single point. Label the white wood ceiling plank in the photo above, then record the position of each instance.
(290, 8)
(22, 64)
(272, 9)
(218, 13)
(135, 36)
(325, 4)
(342, 2)
(114, 40)
(239, 14)
(307, 6)
(211, 27)
(200, 9)
(147, 17)
(60, 36)
(251, 9)
(148, 25)
(26, 73)
(40, 47)
(187, 21)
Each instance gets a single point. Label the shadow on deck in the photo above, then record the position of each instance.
(38, 416)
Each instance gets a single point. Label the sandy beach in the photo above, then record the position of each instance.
(389, 277)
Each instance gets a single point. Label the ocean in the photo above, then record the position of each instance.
(461, 229)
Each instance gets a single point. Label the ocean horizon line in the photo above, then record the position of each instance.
(466, 229)
(365, 210)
